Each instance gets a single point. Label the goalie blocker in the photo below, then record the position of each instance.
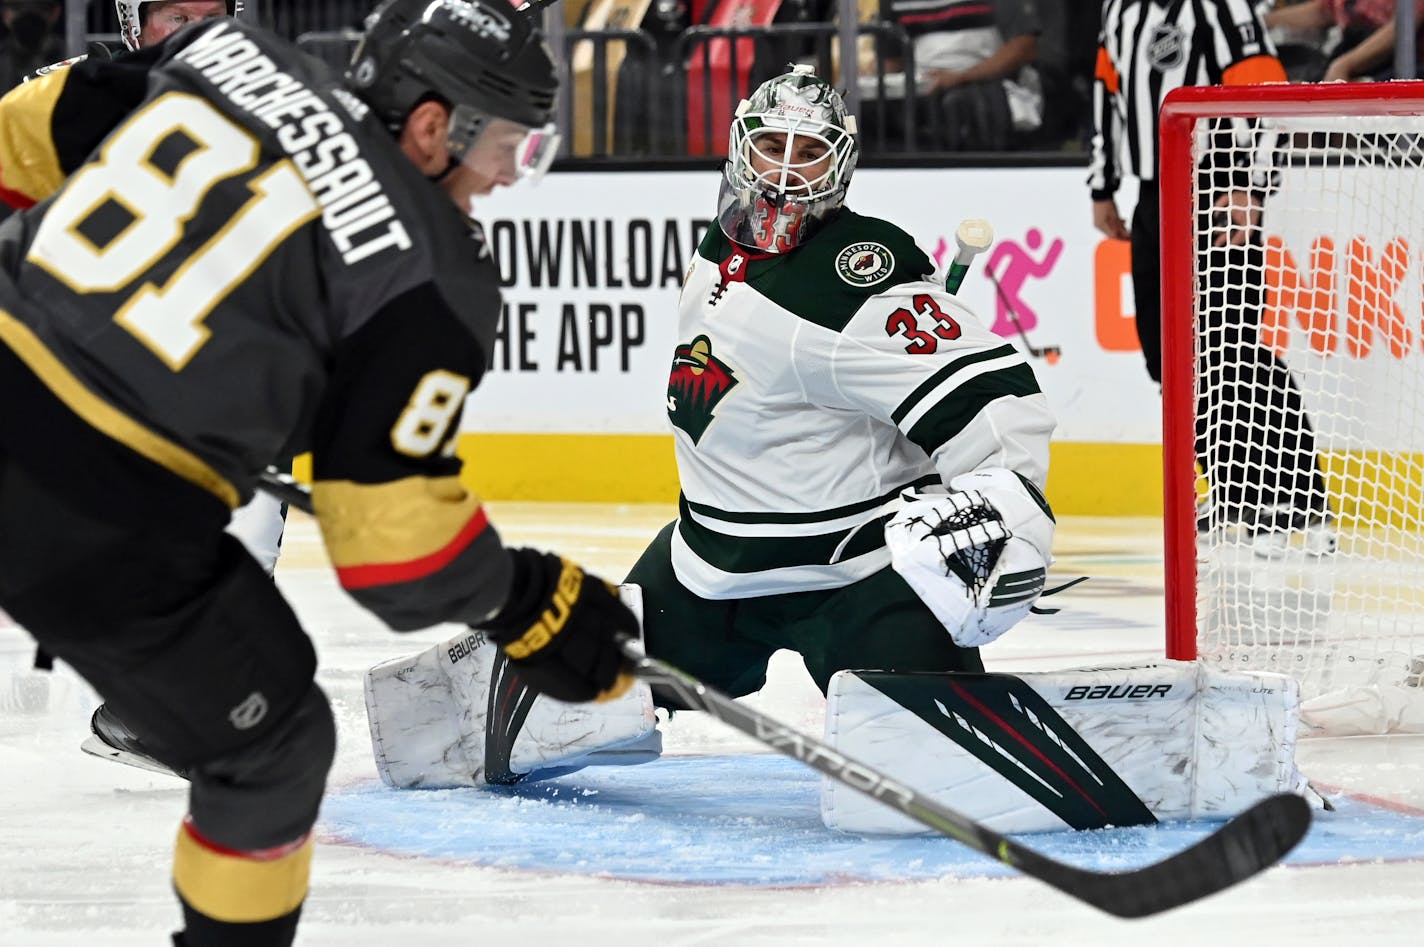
(1077, 749)
(457, 714)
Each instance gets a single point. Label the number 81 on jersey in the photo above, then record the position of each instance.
(125, 212)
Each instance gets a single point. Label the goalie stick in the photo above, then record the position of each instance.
(1253, 841)
(973, 237)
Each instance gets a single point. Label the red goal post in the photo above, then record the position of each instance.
(1301, 423)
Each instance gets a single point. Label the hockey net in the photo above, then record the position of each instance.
(1293, 394)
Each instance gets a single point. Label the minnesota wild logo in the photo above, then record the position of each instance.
(865, 264)
(698, 383)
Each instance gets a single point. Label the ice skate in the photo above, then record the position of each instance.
(112, 740)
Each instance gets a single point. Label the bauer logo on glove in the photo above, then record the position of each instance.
(977, 556)
(551, 621)
(563, 629)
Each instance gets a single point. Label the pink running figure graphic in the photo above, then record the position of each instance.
(1019, 266)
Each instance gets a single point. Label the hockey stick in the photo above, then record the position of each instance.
(1248, 844)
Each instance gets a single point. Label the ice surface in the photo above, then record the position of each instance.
(718, 843)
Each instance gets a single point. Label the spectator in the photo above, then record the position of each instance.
(973, 70)
(1365, 47)
(33, 38)
(1065, 64)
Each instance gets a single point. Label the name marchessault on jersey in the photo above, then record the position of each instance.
(356, 211)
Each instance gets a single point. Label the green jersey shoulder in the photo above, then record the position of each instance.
(829, 279)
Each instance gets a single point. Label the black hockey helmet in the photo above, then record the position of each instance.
(480, 57)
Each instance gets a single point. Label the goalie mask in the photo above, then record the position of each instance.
(791, 153)
(480, 58)
(131, 18)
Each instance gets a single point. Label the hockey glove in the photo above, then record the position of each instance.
(561, 629)
(977, 556)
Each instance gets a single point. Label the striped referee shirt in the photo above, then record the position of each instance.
(1146, 49)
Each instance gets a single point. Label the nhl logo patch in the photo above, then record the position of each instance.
(865, 264)
(1166, 47)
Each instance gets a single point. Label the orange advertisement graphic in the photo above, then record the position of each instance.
(1306, 300)
(1309, 300)
(1113, 306)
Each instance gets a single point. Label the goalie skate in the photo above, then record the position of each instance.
(1279, 532)
(111, 740)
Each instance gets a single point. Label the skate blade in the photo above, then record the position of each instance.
(96, 747)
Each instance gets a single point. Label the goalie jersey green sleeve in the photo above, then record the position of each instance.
(246, 268)
(810, 388)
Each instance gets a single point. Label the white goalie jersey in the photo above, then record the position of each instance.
(810, 388)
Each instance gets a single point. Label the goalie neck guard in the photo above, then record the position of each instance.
(482, 59)
(791, 154)
(131, 18)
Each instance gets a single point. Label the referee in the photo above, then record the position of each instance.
(1259, 451)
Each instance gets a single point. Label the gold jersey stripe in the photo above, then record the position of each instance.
(29, 162)
(107, 419)
(235, 889)
(403, 521)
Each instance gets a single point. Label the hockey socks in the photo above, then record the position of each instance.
(239, 899)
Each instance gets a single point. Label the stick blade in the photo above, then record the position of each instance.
(1250, 843)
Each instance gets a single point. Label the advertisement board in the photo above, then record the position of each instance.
(593, 264)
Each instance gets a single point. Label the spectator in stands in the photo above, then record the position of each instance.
(973, 69)
(1364, 48)
(33, 38)
(1064, 63)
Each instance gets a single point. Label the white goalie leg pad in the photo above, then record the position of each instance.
(1189, 742)
(428, 712)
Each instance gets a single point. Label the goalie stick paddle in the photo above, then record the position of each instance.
(1253, 841)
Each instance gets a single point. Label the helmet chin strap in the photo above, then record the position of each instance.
(453, 164)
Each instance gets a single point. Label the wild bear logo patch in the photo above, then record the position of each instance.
(865, 264)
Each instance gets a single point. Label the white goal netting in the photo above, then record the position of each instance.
(1307, 408)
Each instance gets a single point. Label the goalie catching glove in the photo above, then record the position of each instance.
(561, 628)
(978, 556)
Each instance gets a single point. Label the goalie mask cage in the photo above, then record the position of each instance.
(1293, 396)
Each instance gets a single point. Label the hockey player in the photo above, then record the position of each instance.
(146, 22)
(861, 464)
(260, 522)
(254, 257)
(828, 393)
